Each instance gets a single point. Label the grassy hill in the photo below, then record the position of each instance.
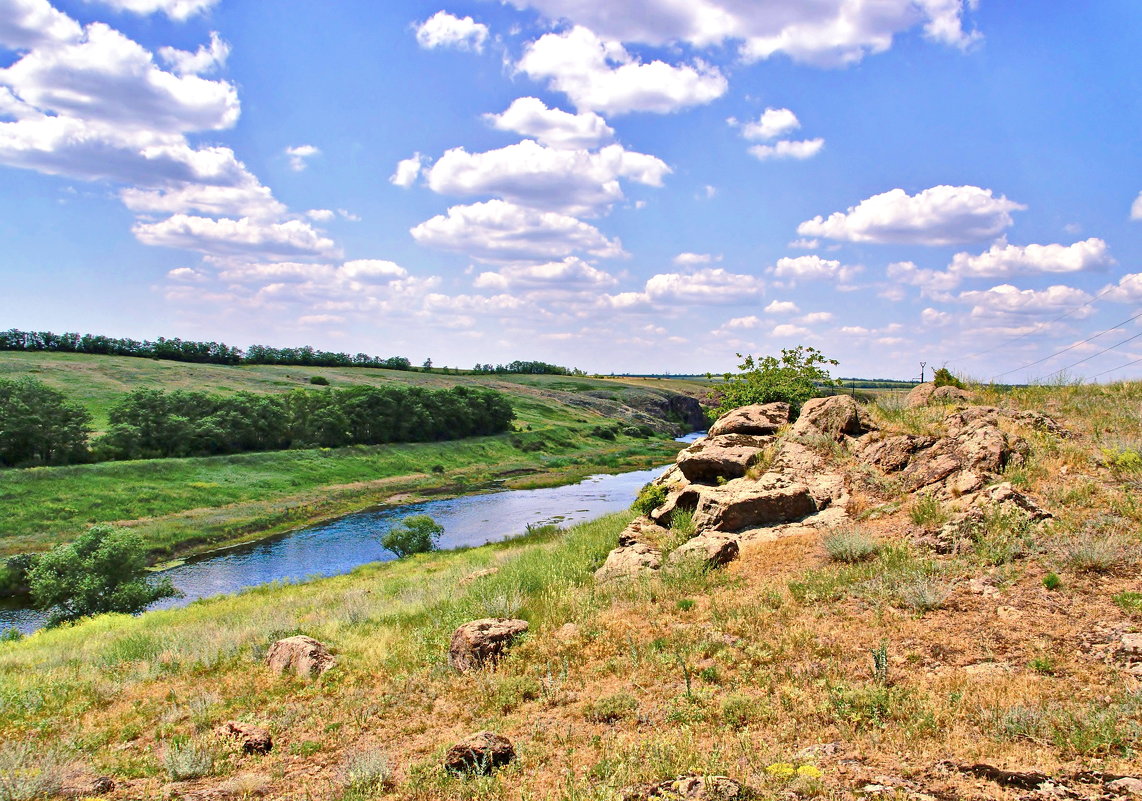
(790, 670)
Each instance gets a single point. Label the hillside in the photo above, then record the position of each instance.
(938, 643)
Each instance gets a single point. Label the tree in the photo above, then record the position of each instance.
(102, 571)
(39, 426)
(944, 378)
(427, 366)
(416, 534)
(794, 378)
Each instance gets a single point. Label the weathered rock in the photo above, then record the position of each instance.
(835, 416)
(744, 504)
(481, 752)
(1130, 646)
(481, 643)
(671, 477)
(758, 419)
(931, 465)
(724, 457)
(253, 739)
(629, 561)
(642, 530)
(302, 655)
(690, 788)
(714, 549)
(949, 394)
(893, 453)
(682, 496)
(1006, 494)
(920, 395)
(1128, 786)
(1042, 422)
(84, 785)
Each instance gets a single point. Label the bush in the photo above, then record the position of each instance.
(27, 771)
(850, 546)
(39, 426)
(102, 571)
(185, 759)
(319, 380)
(367, 771)
(416, 534)
(944, 378)
(611, 708)
(650, 497)
(794, 378)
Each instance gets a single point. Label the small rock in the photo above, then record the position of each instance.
(817, 751)
(724, 457)
(481, 643)
(949, 394)
(714, 549)
(1127, 785)
(481, 752)
(690, 788)
(253, 739)
(86, 786)
(759, 419)
(629, 561)
(1130, 646)
(1008, 613)
(834, 416)
(303, 655)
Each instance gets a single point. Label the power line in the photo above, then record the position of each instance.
(1104, 350)
(1113, 369)
(1070, 347)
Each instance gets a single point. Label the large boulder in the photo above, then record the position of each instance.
(746, 504)
(712, 549)
(481, 752)
(948, 394)
(302, 655)
(920, 395)
(760, 419)
(481, 643)
(686, 788)
(835, 416)
(683, 496)
(629, 561)
(722, 457)
(893, 453)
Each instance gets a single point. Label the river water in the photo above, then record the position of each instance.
(338, 546)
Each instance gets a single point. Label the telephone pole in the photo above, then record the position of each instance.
(922, 366)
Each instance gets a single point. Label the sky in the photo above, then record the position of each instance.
(639, 186)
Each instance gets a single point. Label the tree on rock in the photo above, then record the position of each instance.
(102, 571)
(794, 378)
(416, 534)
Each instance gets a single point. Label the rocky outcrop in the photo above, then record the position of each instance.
(1042, 422)
(660, 409)
(712, 550)
(920, 395)
(479, 753)
(892, 453)
(950, 394)
(682, 495)
(762, 419)
(966, 525)
(723, 457)
(745, 504)
(637, 554)
(252, 739)
(836, 416)
(686, 788)
(481, 643)
(302, 655)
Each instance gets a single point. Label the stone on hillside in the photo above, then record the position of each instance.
(477, 575)
(672, 476)
(253, 739)
(684, 496)
(950, 394)
(920, 395)
(746, 504)
(1006, 494)
(686, 788)
(893, 453)
(302, 655)
(1042, 422)
(728, 456)
(1130, 646)
(642, 530)
(835, 417)
(714, 549)
(481, 752)
(758, 419)
(481, 643)
(1128, 786)
(931, 465)
(629, 561)
(84, 785)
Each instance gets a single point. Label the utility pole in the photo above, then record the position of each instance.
(922, 366)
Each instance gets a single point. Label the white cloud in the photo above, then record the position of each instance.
(691, 259)
(247, 199)
(570, 274)
(407, 171)
(743, 323)
(553, 127)
(782, 307)
(823, 32)
(499, 231)
(1128, 290)
(705, 286)
(789, 330)
(816, 317)
(185, 274)
(1006, 299)
(1136, 209)
(25, 24)
(175, 9)
(234, 237)
(529, 174)
(321, 215)
(805, 244)
(786, 149)
(941, 215)
(204, 60)
(933, 283)
(935, 317)
(600, 75)
(814, 268)
(772, 123)
(445, 30)
(299, 154)
(1003, 260)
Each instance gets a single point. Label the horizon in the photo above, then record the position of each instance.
(618, 188)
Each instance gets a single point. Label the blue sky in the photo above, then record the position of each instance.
(645, 186)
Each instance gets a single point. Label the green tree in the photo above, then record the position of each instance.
(944, 378)
(39, 426)
(104, 570)
(794, 378)
(416, 534)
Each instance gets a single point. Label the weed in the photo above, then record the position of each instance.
(682, 522)
(923, 593)
(1095, 556)
(685, 604)
(1123, 461)
(28, 771)
(1052, 581)
(740, 711)
(1044, 665)
(650, 497)
(928, 512)
(611, 708)
(512, 691)
(880, 663)
(184, 759)
(850, 546)
(1129, 602)
(367, 771)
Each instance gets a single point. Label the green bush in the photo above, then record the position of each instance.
(944, 378)
(416, 534)
(850, 546)
(39, 426)
(319, 380)
(611, 708)
(794, 378)
(649, 498)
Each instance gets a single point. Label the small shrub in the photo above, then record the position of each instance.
(923, 593)
(1122, 461)
(319, 381)
(1095, 556)
(928, 512)
(1043, 665)
(682, 522)
(11, 635)
(367, 771)
(739, 711)
(186, 759)
(1052, 581)
(415, 534)
(28, 771)
(611, 708)
(512, 691)
(850, 546)
(649, 498)
(685, 604)
(944, 378)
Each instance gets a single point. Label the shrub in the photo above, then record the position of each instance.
(1052, 581)
(944, 378)
(415, 534)
(319, 380)
(927, 511)
(793, 378)
(611, 708)
(1129, 602)
(923, 594)
(186, 759)
(1095, 556)
(367, 771)
(28, 772)
(649, 498)
(850, 546)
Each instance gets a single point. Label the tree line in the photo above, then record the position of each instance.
(39, 426)
(530, 368)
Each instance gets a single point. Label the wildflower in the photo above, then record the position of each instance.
(809, 771)
(782, 770)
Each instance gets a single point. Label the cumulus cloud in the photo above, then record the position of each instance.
(25, 24)
(788, 149)
(599, 75)
(570, 274)
(1002, 259)
(205, 59)
(941, 215)
(234, 237)
(816, 317)
(175, 9)
(407, 171)
(553, 127)
(814, 268)
(248, 199)
(706, 286)
(932, 283)
(782, 307)
(445, 30)
(1005, 300)
(576, 182)
(1136, 209)
(772, 123)
(298, 156)
(826, 33)
(691, 259)
(786, 330)
(934, 317)
(499, 231)
(1128, 289)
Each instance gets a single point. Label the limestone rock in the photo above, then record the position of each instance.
(727, 456)
(744, 504)
(481, 752)
(629, 561)
(1006, 494)
(303, 655)
(920, 395)
(481, 643)
(253, 739)
(688, 788)
(758, 419)
(893, 453)
(834, 416)
(713, 548)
